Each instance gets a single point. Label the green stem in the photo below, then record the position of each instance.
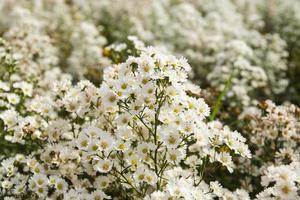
(217, 105)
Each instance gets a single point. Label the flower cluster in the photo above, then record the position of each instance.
(273, 136)
(86, 59)
(55, 32)
(139, 132)
(28, 67)
(204, 32)
(276, 127)
(282, 18)
(286, 179)
(14, 92)
(30, 44)
(199, 30)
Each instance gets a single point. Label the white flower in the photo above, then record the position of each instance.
(226, 160)
(103, 165)
(286, 190)
(109, 98)
(217, 188)
(98, 195)
(61, 186)
(26, 88)
(171, 139)
(83, 142)
(13, 98)
(106, 143)
(175, 156)
(102, 182)
(10, 117)
(4, 86)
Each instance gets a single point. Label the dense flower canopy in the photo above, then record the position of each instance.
(154, 100)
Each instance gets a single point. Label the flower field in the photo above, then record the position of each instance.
(150, 99)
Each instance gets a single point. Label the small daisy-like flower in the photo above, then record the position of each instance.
(61, 186)
(226, 160)
(103, 165)
(175, 155)
(13, 98)
(102, 182)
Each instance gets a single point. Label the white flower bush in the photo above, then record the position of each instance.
(77, 42)
(30, 44)
(276, 129)
(21, 96)
(204, 31)
(86, 59)
(286, 179)
(282, 18)
(139, 132)
(153, 100)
